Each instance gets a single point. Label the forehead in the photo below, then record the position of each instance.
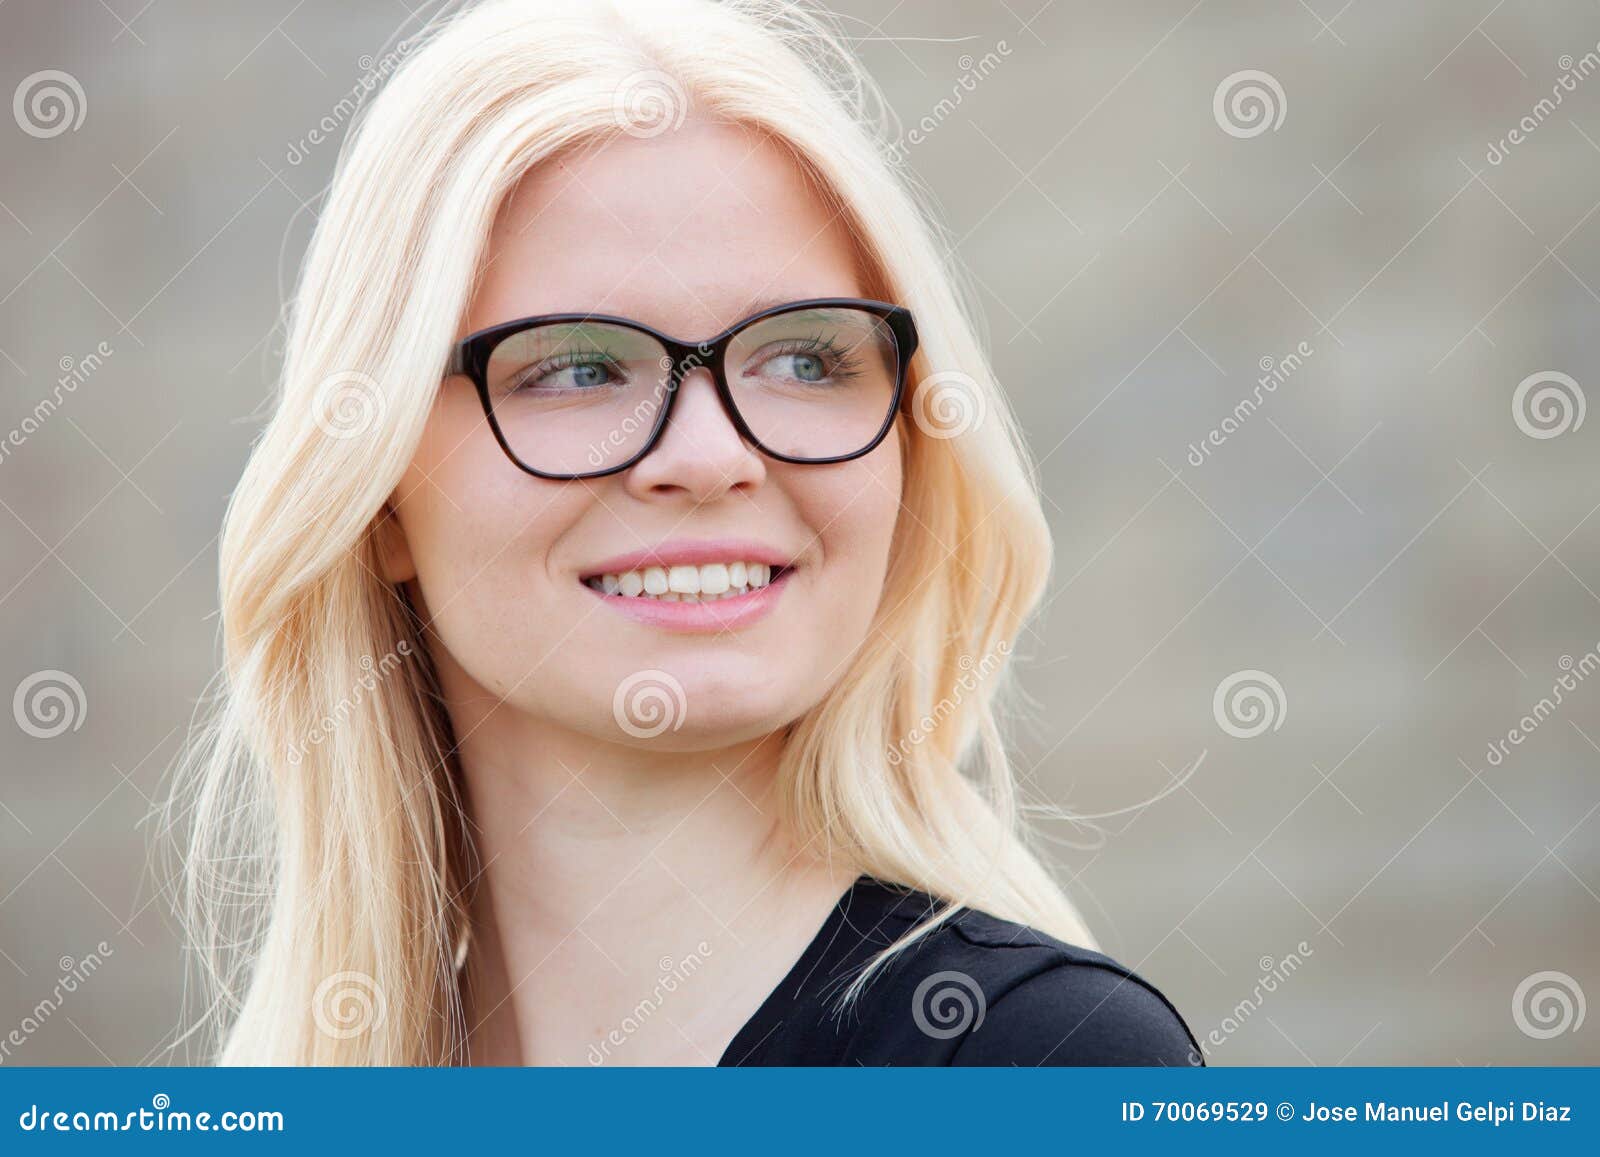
(688, 231)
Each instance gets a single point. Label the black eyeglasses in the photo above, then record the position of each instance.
(580, 395)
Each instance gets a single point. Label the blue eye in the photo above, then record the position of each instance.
(807, 367)
(812, 361)
(583, 371)
(589, 374)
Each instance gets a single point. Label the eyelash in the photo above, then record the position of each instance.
(565, 361)
(844, 367)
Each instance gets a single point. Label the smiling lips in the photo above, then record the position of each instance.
(693, 586)
(688, 583)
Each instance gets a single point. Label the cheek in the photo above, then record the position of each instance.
(854, 508)
(479, 532)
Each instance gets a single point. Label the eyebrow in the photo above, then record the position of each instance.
(764, 302)
(768, 301)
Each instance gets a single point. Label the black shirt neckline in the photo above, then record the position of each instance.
(1043, 1000)
(874, 901)
(769, 1015)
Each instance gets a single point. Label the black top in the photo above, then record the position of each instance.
(978, 990)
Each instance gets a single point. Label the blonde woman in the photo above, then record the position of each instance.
(616, 603)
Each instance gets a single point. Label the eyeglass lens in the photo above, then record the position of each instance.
(582, 396)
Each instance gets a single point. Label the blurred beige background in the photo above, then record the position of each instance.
(1400, 530)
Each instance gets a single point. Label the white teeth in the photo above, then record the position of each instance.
(689, 584)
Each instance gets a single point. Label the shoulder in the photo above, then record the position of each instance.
(1012, 994)
(981, 990)
(1052, 1003)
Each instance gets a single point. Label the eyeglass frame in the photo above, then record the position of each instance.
(470, 357)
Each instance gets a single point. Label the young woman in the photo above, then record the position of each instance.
(616, 602)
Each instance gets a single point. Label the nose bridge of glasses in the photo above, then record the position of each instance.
(700, 366)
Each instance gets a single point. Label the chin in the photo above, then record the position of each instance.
(684, 707)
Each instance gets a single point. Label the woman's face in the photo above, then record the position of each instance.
(686, 232)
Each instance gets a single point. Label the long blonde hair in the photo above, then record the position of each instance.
(328, 850)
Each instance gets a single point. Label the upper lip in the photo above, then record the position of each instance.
(692, 552)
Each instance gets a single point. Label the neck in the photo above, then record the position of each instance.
(634, 906)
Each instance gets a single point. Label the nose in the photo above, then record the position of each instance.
(700, 454)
